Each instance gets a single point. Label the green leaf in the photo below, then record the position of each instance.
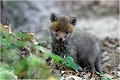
(32, 60)
(20, 43)
(7, 75)
(21, 66)
(69, 62)
(105, 79)
(56, 59)
(101, 75)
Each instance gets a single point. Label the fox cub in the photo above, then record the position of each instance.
(65, 40)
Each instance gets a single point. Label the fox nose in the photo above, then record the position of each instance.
(61, 39)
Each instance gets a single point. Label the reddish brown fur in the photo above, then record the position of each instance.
(62, 24)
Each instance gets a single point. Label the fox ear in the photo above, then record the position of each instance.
(73, 20)
(53, 17)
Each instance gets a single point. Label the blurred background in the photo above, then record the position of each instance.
(100, 17)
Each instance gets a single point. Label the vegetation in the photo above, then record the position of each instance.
(22, 58)
(19, 56)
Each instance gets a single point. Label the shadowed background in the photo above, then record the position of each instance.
(100, 17)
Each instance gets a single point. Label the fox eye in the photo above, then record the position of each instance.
(66, 31)
(57, 30)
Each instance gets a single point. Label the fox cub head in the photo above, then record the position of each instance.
(62, 27)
